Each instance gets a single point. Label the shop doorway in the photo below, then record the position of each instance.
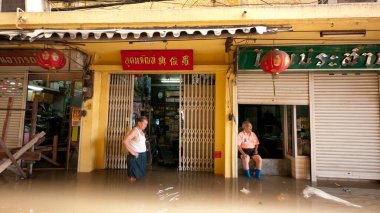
(158, 98)
(284, 135)
(180, 110)
(54, 106)
(267, 123)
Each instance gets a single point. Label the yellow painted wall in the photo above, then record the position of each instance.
(206, 52)
(100, 140)
(228, 131)
(220, 122)
(86, 155)
(312, 16)
(93, 132)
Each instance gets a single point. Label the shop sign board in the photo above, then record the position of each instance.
(157, 60)
(18, 58)
(317, 57)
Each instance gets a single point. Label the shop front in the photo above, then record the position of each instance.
(39, 98)
(177, 77)
(320, 117)
(180, 109)
(180, 86)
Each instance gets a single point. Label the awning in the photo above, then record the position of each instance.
(135, 33)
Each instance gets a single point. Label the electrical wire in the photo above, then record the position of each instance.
(117, 5)
(99, 5)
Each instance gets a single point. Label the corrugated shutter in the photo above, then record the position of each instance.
(347, 125)
(13, 84)
(257, 88)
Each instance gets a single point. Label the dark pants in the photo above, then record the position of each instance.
(249, 152)
(136, 166)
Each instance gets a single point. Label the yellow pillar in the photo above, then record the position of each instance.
(91, 150)
(220, 123)
(234, 111)
(100, 134)
(229, 129)
(85, 163)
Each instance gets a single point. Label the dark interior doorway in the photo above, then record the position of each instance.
(157, 97)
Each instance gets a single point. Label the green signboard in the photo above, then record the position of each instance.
(319, 57)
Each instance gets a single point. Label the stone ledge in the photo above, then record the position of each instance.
(270, 167)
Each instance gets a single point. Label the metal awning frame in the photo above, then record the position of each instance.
(136, 34)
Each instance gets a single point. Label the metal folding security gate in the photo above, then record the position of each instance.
(347, 125)
(13, 84)
(119, 118)
(257, 88)
(197, 134)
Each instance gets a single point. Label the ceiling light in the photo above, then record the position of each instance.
(170, 80)
(343, 33)
(35, 88)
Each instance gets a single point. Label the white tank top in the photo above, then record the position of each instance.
(139, 144)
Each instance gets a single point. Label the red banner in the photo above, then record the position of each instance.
(18, 58)
(157, 59)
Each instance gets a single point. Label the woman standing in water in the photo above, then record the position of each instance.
(135, 144)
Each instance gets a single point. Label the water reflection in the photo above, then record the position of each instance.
(172, 191)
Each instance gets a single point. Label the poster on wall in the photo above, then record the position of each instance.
(76, 116)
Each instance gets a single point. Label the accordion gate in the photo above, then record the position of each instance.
(197, 135)
(119, 118)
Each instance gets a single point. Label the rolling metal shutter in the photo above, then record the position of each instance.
(347, 125)
(13, 84)
(257, 88)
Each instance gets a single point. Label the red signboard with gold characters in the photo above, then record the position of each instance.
(157, 59)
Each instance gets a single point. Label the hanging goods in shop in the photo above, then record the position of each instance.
(51, 59)
(274, 62)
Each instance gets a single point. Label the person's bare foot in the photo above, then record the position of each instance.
(131, 179)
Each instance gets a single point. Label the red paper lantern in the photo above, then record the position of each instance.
(51, 59)
(275, 61)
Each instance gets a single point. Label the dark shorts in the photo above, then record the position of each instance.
(136, 166)
(250, 152)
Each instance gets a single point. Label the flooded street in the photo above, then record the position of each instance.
(170, 191)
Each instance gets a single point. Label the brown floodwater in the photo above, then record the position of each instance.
(167, 190)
